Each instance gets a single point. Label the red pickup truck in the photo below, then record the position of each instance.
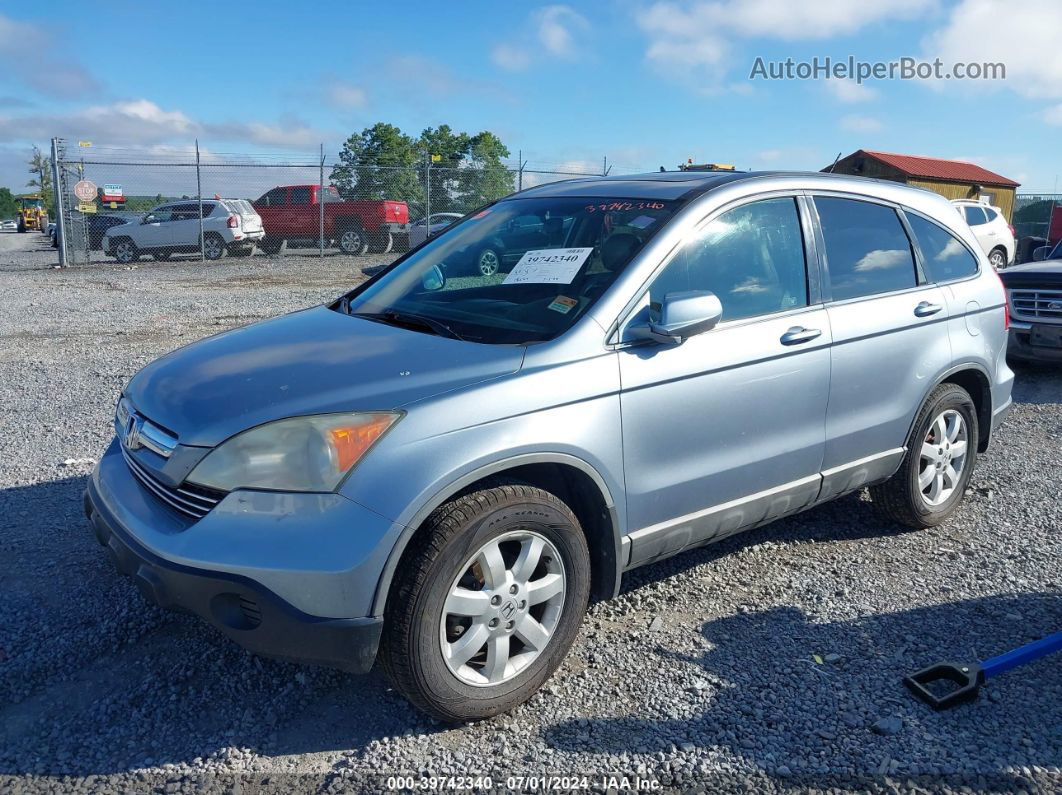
(292, 213)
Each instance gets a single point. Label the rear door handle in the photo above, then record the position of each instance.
(799, 334)
(925, 309)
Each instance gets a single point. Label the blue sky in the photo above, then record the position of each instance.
(643, 83)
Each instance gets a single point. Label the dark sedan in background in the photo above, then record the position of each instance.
(97, 225)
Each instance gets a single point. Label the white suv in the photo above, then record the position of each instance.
(991, 229)
(230, 226)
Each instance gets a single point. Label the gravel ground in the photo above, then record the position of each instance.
(770, 662)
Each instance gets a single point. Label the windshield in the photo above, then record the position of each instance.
(520, 271)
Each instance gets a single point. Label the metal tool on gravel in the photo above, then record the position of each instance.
(971, 676)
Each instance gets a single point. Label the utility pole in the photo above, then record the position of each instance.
(199, 195)
(57, 193)
(320, 207)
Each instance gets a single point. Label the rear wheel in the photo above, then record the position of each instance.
(214, 247)
(998, 258)
(125, 251)
(270, 245)
(941, 454)
(488, 601)
(383, 243)
(352, 241)
(488, 262)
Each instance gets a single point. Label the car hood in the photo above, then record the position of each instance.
(311, 362)
(1046, 274)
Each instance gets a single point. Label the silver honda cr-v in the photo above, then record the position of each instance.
(441, 468)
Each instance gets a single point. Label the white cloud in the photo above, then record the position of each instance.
(849, 91)
(701, 35)
(1024, 36)
(861, 124)
(141, 122)
(552, 31)
(30, 55)
(342, 94)
(883, 259)
(511, 57)
(1053, 115)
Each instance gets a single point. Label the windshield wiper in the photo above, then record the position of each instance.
(411, 320)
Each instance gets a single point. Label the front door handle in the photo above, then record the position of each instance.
(925, 309)
(799, 334)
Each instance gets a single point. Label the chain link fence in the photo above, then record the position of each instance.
(115, 204)
(1033, 215)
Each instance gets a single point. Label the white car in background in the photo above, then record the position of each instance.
(991, 229)
(432, 225)
(8, 225)
(230, 226)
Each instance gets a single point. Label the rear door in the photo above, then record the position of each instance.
(726, 430)
(978, 221)
(890, 338)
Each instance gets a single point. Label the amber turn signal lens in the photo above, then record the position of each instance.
(352, 442)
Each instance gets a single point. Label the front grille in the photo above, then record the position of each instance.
(190, 500)
(1036, 305)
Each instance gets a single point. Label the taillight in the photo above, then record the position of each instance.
(1012, 231)
(233, 222)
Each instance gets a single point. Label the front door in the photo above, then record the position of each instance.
(726, 430)
(155, 228)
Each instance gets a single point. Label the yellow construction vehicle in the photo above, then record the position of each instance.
(31, 213)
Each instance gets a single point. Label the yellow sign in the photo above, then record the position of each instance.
(84, 143)
(436, 158)
(86, 208)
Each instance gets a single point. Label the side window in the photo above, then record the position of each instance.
(867, 250)
(275, 198)
(975, 216)
(160, 214)
(751, 257)
(300, 195)
(992, 214)
(944, 257)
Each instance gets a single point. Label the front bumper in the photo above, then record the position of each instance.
(1019, 347)
(250, 614)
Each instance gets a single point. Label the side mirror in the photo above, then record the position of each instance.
(1040, 253)
(433, 279)
(686, 314)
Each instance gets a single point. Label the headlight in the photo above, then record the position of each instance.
(297, 454)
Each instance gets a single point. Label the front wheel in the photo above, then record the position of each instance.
(125, 251)
(489, 599)
(940, 458)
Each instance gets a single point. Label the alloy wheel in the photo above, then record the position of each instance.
(351, 242)
(996, 259)
(942, 457)
(488, 263)
(212, 248)
(502, 609)
(123, 252)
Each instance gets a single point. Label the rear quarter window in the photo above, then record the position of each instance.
(944, 257)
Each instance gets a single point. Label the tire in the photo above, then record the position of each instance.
(214, 247)
(903, 498)
(162, 256)
(352, 240)
(488, 262)
(383, 243)
(270, 245)
(125, 251)
(442, 558)
(997, 258)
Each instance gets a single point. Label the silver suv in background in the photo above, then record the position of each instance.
(440, 471)
(230, 226)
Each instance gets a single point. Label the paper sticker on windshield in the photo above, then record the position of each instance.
(642, 221)
(563, 304)
(548, 266)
